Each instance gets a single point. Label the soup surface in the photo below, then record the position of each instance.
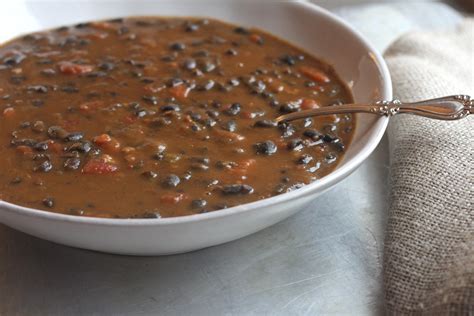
(161, 117)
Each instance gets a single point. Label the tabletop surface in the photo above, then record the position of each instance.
(324, 260)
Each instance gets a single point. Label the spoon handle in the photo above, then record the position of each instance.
(446, 108)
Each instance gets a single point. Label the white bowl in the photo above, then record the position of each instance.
(303, 24)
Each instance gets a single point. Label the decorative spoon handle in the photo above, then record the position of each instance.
(446, 108)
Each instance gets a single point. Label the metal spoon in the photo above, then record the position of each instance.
(446, 108)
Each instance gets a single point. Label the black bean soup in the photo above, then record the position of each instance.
(161, 117)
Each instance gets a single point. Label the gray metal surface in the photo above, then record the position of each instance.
(324, 260)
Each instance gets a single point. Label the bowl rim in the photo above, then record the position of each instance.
(325, 182)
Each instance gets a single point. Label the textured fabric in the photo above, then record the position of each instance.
(429, 246)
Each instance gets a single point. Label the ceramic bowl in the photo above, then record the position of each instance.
(302, 24)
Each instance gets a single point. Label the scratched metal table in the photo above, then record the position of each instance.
(324, 260)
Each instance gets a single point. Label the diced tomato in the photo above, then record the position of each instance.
(242, 167)
(180, 92)
(24, 150)
(129, 119)
(309, 104)
(56, 148)
(247, 115)
(98, 166)
(106, 142)
(257, 39)
(70, 68)
(9, 112)
(228, 136)
(152, 88)
(315, 74)
(102, 139)
(103, 26)
(172, 198)
(90, 106)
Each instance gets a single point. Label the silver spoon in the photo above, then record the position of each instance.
(446, 108)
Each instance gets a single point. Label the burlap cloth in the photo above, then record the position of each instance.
(429, 246)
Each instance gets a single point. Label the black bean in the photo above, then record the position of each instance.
(304, 159)
(210, 123)
(232, 189)
(83, 147)
(160, 121)
(17, 79)
(207, 85)
(99, 74)
(123, 30)
(330, 138)
(231, 52)
(37, 102)
(171, 181)
(44, 61)
(44, 166)
(154, 214)
(69, 89)
(170, 107)
(295, 144)
(201, 53)
(48, 72)
(74, 137)
(330, 158)
(199, 203)
(147, 80)
(266, 148)
(314, 168)
(226, 164)
(218, 40)
(48, 202)
(274, 103)
(42, 146)
(289, 107)
(177, 46)
(307, 122)
(241, 30)
(230, 126)
(234, 82)
(199, 166)
(143, 23)
(234, 109)
(168, 58)
(150, 99)
(203, 160)
(38, 126)
(289, 60)
(150, 174)
(25, 124)
(14, 59)
(339, 146)
(57, 132)
(72, 163)
(295, 186)
(208, 66)
(313, 134)
(106, 66)
(191, 27)
(212, 113)
(23, 142)
(141, 113)
(280, 188)
(286, 129)
(330, 128)
(189, 64)
(265, 123)
(38, 89)
(16, 180)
